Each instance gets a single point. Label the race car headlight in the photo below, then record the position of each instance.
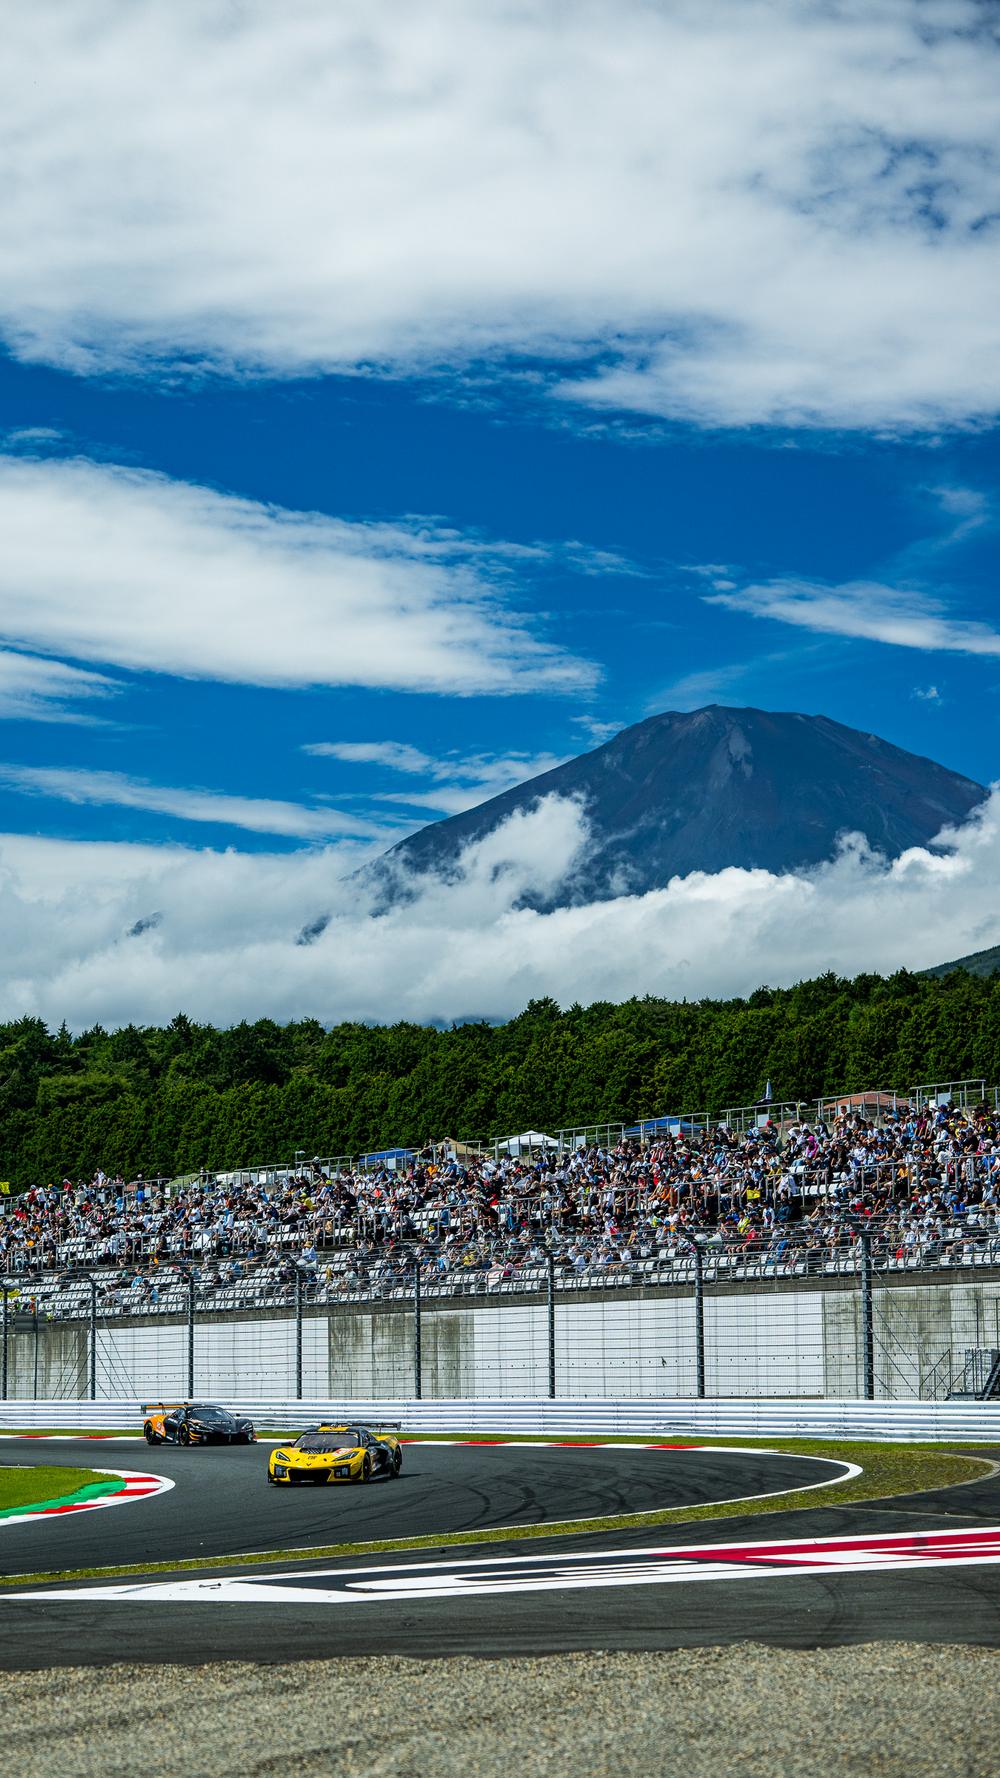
(279, 1469)
(281, 1457)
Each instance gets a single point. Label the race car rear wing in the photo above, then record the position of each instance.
(391, 1426)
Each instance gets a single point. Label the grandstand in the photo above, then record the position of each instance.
(768, 1191)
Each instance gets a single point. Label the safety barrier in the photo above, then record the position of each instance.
(880, 1421)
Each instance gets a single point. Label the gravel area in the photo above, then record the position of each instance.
(888, 1708)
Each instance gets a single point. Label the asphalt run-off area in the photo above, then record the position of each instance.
(926, 1567)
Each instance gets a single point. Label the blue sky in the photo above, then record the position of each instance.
(390, 410)
(635, 527)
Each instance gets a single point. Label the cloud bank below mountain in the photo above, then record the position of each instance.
(82, 943)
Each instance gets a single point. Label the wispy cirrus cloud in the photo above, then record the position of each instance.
(867, 610)
(33, 689)
(597, 729)
(455, 782)
(70, 784)
(397, 756)
(757, 211)
(121, 566)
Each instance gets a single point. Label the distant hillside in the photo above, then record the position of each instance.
(174, 1099)
(977, 963)
(701, 790)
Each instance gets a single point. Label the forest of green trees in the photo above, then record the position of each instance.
(165, 1101)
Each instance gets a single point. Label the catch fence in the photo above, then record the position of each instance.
(870, 1320)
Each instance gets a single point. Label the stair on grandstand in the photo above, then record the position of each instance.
(980, 1376)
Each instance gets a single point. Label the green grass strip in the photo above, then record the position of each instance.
(887, 1470)
(31, 1489)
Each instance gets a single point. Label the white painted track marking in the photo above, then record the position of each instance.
(892, 1552)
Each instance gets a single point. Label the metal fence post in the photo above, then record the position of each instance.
(550, 1304)
(190, 1335)
(6, 1328)
(93, 1337)
(699, 1321)
(868, 1314)
(417, 1331)
(298, 1334)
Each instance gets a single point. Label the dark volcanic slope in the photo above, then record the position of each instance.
(977, 963)
(701, 790)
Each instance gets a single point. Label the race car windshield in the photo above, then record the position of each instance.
(320, 1443)
(211, 1416)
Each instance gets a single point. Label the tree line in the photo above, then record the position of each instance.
(172, 1099)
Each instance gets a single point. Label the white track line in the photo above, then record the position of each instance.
(892, 1552)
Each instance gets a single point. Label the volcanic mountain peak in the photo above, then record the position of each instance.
(705, 789)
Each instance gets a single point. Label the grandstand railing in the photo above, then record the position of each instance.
(957, 1093)
(874, 1103)
(597, 1135)
(298, 1166)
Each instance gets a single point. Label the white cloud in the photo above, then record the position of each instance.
(224, 946)
(757, 210)
(457, 783)
(727, 680)
(36, 690)
(109, 564)
(597, 730)
(928, 694)
(32, 438)
(971, 507)
(399, 756)
(703, 685)
(447, 799)
(864, 609)
(256, 814)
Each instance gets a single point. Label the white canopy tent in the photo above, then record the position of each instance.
(529, 1142)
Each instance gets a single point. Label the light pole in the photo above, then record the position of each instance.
(699, 1316)
(188, 1276)
(3, 1381)
(550, 1316)
(92, 1341)
(418, 1385)
(862, 1233)
(299, 1275)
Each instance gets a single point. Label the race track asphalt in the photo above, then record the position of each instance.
(220, 1504)
(954, 1602)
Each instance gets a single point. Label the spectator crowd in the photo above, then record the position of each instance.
(784, 1196)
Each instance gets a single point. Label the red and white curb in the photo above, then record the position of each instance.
(896, 1552)
(136, 1485)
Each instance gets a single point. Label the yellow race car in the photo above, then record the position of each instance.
(336, 1454)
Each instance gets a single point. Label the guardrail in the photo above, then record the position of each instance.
(913, 1421)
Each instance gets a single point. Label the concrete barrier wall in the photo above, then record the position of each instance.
(793, 1342)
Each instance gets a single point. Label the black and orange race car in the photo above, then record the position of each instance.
(195, 1423)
